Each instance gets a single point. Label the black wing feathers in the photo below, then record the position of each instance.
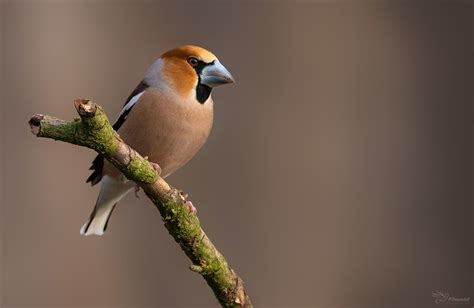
(142, 86)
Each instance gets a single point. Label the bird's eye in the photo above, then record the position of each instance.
(193, 61)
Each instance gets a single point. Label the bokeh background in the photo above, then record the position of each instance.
(339, 172)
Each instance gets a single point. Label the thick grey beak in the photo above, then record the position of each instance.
(216, 74)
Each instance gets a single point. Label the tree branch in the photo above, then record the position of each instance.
(94, 131)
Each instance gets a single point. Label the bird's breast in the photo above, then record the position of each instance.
(167, 129)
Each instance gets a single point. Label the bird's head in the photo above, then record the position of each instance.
(192, 71)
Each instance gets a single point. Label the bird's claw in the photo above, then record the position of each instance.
(187, 203)
(191, 207)
(154, 165)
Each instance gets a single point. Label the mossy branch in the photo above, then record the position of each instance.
(94, 131)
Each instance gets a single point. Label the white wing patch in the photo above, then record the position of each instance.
(129, 105)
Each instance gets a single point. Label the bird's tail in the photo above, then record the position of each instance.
(111, 191)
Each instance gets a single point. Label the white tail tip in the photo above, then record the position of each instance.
(89, 229)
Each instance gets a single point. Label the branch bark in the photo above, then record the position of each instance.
(94, 131)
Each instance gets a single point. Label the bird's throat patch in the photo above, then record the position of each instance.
(202, 93)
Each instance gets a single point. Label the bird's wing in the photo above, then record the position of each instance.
(98, 162)
(129, 103)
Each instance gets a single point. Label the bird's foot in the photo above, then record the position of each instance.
(191, 207)
(154, 165)
(157, 169)
(188, 203)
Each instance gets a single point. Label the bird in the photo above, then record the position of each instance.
(167, 118)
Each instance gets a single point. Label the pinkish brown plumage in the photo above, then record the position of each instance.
(168, 118)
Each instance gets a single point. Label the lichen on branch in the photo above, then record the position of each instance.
(94, 131)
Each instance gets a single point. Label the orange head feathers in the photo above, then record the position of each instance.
(192, 71)
(184, 52)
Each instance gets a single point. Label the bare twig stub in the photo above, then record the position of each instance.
(94, 131)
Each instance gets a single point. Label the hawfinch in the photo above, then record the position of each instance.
(167, 118)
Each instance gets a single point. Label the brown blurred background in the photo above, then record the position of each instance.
(339, 172)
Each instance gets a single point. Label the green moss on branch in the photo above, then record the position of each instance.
(139, 170)
(94, 131)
